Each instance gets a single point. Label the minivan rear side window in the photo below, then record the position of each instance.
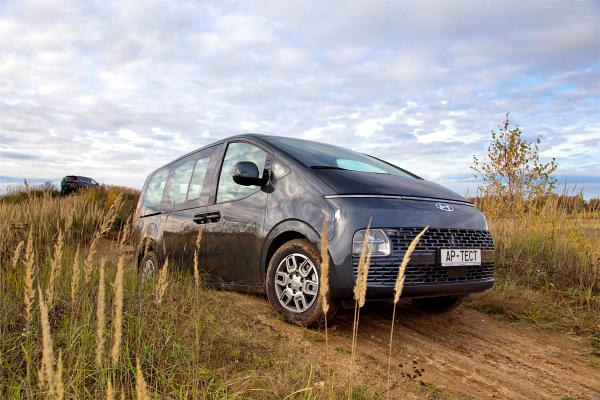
(155, 189)
(181, 182)
(198, 178)
(236, 152)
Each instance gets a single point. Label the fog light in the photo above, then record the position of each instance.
(377, 238)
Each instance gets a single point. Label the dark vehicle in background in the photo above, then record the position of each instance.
(75, 183)
(261, 201)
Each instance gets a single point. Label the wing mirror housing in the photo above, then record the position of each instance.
(245, 173)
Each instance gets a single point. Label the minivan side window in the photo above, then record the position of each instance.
(198, 178)
(181, 182)
(155, 189)
(236, 152)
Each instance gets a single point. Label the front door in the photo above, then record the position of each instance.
(235, 220)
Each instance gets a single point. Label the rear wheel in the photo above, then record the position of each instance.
(294, 282)
(438, 304)
(149, 266)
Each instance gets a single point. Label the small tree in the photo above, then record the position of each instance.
(512, 171)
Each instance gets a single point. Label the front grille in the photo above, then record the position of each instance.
(424, 267)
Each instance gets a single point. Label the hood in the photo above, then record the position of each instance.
(354, 182)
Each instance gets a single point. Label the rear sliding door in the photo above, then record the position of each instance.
(188, 196)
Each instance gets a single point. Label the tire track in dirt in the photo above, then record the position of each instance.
(466, 351)
(463, 350)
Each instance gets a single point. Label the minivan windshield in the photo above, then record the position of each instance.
(324, 156)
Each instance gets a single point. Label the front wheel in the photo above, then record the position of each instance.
(438, 304)
(293, 284)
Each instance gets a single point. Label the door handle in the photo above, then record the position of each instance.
(207, 218)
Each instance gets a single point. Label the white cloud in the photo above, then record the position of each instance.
(128, 86)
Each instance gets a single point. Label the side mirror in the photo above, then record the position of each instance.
(245, 173)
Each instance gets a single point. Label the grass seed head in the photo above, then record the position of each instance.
(75, 276)
(28, 295)
(47, 352)
(363, 288)
(89, 261)
(400, 279)
(126, 232)
(324, 266)
(17, 254)
(100, 318)
(161, 287)
(60, 390)
(118, 287)
(55, 269)
(110, 395)
(141, 388)
(360, 287)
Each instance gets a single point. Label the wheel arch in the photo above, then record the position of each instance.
(283, 233)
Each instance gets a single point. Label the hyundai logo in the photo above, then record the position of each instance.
(444, 207)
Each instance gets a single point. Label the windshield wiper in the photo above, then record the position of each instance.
(326, 167)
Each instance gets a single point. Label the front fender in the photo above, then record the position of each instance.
(301, 228)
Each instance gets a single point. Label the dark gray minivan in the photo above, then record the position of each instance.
(262, 201)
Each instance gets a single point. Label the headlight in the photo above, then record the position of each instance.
(377, 238)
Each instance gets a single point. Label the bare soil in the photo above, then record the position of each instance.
(465, 351)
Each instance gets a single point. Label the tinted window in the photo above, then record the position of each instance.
(198, 178)
(71, 178)
(236, 152)
(181, 182)
(94, 182)
(155, 189)
(318, 155)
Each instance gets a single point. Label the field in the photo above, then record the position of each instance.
(77, 322)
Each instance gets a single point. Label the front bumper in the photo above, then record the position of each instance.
(403, 220)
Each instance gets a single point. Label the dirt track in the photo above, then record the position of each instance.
(463, 350)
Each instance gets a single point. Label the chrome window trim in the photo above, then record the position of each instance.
(392, 197)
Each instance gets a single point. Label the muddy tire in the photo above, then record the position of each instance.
(149, 266)
(294, 282)
(438, 304)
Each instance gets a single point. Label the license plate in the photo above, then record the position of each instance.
(450, 257)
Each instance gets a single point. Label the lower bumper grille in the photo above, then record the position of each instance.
(425, 274)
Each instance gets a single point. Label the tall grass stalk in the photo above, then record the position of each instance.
(118, 316)
(162, 283)
(397, 293)
(75, 276)
(141, 387)
(17, 253)
(47, 371)
(55, 269)
(100, 315)
(325, 281)
(360, 292)
(196, 272)
(29, 272)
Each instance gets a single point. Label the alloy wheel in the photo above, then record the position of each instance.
(296, 283)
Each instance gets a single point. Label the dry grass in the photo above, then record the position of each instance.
(555, 243)
(190, 342)
(547, 265)
(193, 343)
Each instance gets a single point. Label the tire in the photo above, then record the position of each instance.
(149, 266)
(293, 284)
(438, 304)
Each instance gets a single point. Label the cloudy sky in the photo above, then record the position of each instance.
(114, 89)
